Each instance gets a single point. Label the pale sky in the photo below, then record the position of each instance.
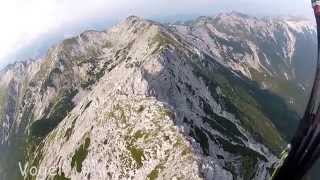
(25, 21)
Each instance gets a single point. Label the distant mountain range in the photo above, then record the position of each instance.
(212, 98)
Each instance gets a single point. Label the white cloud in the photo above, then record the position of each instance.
(22, 21)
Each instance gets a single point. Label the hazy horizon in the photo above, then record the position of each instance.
(34, 25)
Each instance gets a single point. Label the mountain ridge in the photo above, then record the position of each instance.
(141, 72)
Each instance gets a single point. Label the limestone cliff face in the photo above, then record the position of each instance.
(278, 53)
(142, 100)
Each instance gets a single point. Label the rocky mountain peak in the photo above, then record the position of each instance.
(147, 100)
(235, 16)
(134, 18)
(301, 25)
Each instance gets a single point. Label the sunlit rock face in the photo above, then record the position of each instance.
(144, 100)
(276, 52)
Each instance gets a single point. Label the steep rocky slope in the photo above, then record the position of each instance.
(277, 53)
(144, 100)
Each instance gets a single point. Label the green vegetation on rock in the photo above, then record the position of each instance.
(249, 158)
(161, 40)
(250, 104)
(137, 154)
(202, 138)
(61, 177)
(80, 155)
(70, 129)
(107, 44)
(155, 172)
(58, 112)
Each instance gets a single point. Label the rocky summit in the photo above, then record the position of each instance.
(205, 99)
